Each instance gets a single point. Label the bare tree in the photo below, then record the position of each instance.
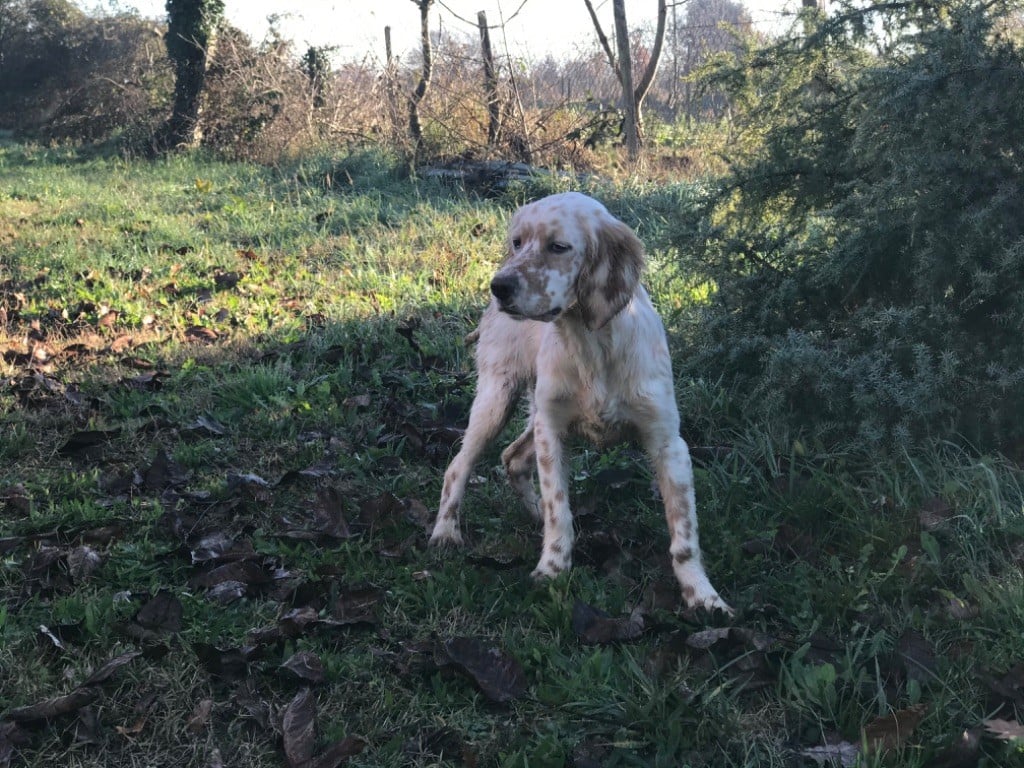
(632, 97)
(630, 108)
(490, 81)
(415, 127)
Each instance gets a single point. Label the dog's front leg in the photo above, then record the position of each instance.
(556, 555)
(671, 458)
(492, 406)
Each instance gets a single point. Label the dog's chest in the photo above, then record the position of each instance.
(601, 413)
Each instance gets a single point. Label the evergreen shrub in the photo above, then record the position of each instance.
(868, 256)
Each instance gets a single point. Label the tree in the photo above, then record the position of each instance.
(190, 39)
(632, 97)
(316, 66)
(415, 127)
(710, 29)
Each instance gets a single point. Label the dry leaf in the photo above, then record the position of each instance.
(200, 717)
(305, 665)
(497, 674)
(893, 730)
(843, 754)
(1006, 730)
(298, 729)
(598, 628)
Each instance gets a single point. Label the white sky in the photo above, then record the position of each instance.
(357, 26)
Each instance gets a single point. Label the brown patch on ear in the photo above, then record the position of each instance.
(610, 273)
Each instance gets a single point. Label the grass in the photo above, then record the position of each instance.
(207, 365)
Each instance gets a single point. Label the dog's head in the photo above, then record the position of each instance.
(567, 252)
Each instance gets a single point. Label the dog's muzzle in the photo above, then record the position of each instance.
(505, 288)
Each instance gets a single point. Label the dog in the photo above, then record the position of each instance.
(570, 324)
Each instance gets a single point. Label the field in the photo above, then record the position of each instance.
(227, 397)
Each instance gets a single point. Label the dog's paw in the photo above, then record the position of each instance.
(446, 538)
(708, 600)
(549, 568)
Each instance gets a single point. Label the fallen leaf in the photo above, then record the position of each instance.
(200, 717)
(1005, 730)
(294, 622)
(11, 737)
(86, 440)
(218, 546)
(329, 517)
(958, 608)
(162, 613)
(134, 729)
(917, 657)
(964, 752)
(596, 627)
(109, 669)
(206, 426)
(201, 333)
(298, 729)
(497, 674)
(227, 592)
(163, 472)
(82, 563)
(935, 512)
(88, 729)
(338, 752)
(49, 709)
(893, 730)
(357, 604)
(305, 665)
(228, 663)
(702, 641)
(15, 498)
(225, 281)
(843, 754)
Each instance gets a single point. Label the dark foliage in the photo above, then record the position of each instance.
(64, 74)
(869, 256)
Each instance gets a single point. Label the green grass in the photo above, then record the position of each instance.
(334, 298)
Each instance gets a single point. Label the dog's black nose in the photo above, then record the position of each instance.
(504, 287)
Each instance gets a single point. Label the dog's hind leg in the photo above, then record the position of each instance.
(520, 460)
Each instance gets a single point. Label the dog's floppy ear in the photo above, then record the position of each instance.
(610, 273)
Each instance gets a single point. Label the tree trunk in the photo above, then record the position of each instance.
(490, 82)
(190, 39)
(629, 106)
(632, 98)
(647, 80)
(415, 127)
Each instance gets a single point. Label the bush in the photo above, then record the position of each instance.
(65, 75)
(869, 258)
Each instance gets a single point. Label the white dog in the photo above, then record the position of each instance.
(570, 323)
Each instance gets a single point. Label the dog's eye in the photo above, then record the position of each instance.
(516, 242)
(559, 247)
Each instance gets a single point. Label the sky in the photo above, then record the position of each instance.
(534, 27)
